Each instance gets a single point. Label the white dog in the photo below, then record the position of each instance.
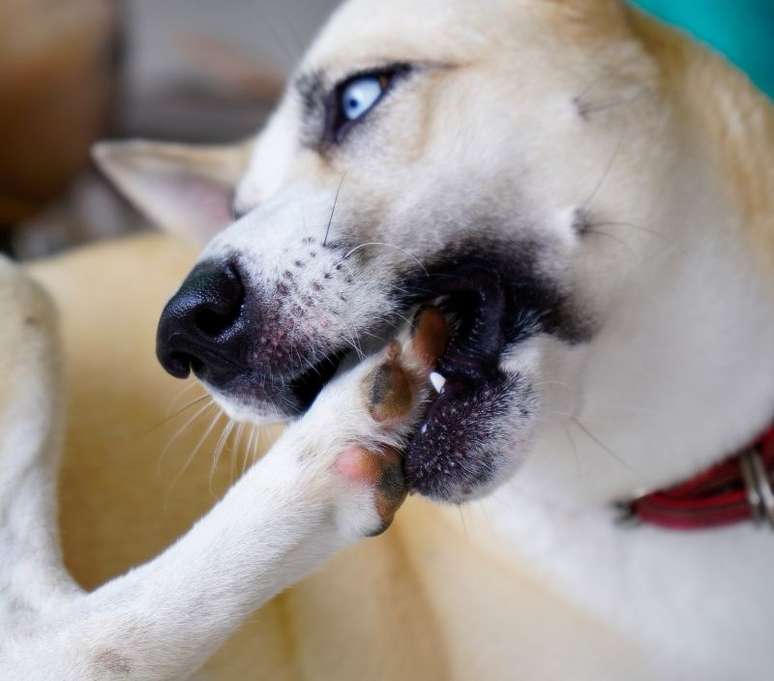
(588, 197)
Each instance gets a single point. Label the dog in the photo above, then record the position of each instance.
(586, 196)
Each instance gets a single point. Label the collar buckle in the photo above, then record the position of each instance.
(758, 486)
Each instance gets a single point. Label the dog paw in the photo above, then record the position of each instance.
(359, 425)
(378, 489)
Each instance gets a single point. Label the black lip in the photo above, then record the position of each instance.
(474, 300)
(476, 304)
(495, 292)
(532, 300)
(307, 386)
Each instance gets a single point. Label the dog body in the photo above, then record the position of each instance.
(590, 197)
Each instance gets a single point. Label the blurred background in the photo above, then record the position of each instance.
(193, 71)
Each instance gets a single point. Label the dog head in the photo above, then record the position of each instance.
(478, 155)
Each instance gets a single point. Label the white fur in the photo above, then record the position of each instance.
(678, 374)
(162, 620)
(699, 601)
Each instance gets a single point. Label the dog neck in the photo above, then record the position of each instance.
(681, 374)
(679, 378)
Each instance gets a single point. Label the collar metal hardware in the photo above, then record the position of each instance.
(757, 480)
(738, 489)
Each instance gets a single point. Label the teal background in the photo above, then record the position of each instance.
(743, 30)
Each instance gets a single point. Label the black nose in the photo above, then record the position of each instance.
(202, 327)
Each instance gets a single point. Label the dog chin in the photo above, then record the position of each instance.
(258, 412)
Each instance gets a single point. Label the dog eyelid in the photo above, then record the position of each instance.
(371, 86)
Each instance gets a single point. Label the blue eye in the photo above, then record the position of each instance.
(360, 95)
(353, 98)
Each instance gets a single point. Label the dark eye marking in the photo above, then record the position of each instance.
(329, 114)
(312, 92)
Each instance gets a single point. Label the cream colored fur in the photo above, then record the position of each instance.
(567, 105)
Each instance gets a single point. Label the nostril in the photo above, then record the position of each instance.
(200, 325)
(213, 322)
(179, 364)
(220, 303)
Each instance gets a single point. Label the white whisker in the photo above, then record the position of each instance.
(191, 456)
(179, 432)
(222, 440)
(386, 245)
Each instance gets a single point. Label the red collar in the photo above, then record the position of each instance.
(738, 489)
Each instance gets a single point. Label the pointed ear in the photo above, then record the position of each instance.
(186, 190)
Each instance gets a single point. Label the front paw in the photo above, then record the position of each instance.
(378, 488)
(359, 425)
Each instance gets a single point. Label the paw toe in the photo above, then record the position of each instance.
(391, 489)
(390, 393)
(382, 472)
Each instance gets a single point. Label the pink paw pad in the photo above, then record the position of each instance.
(382, 471)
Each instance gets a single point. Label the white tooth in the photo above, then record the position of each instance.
(438, 381)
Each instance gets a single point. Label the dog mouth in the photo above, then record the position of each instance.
(447, 458)
(474, 308)
(453, 454)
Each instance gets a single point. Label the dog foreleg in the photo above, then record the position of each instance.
(332, 478)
